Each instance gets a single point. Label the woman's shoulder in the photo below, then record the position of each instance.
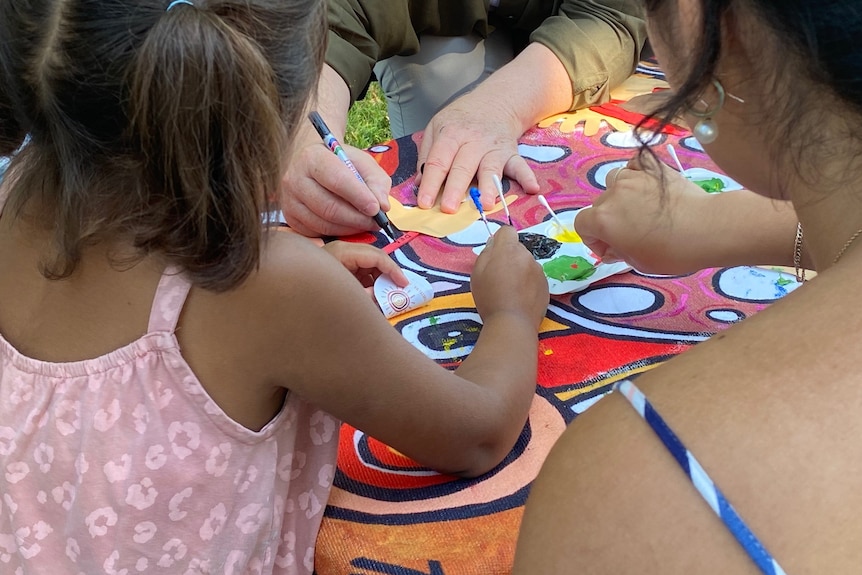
(763, 407)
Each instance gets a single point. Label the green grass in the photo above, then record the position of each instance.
(367, 121)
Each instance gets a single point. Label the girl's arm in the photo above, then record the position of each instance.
(322, 338)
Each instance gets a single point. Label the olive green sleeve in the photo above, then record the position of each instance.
(599, 43)
(362, 32)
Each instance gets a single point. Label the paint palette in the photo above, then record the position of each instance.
(702, 174)
(568, 264)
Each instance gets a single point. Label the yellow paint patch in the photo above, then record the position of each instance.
(569, 236)
(433, 222)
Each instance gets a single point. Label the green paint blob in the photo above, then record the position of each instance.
(567, 268)
(783, 281)
(711, 186)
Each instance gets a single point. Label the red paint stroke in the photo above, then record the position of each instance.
(357, 466)
(614, 109)
(360, 238)
(401, 240)
(583, 357)
(389, 159)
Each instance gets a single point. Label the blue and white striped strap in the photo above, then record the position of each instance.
(701, 480)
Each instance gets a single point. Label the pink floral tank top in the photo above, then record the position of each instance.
(123, 464)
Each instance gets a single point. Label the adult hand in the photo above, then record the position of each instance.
(471, 137)
(366, 262)
(650, 217)
(477, 134)
(321, 196)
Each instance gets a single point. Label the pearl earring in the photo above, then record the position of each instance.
(706, 131)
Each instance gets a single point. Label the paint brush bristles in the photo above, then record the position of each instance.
(476, 196)
(673, 155)
(547, 206)
(499, 185)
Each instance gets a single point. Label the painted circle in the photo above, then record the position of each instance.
(598, 174)
(753, 284)
(725, 315)
(628, 140)
(476, 234)
(692, 144)
(430, 333)
(620, 300)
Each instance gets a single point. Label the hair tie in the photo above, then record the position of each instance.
(175, 2)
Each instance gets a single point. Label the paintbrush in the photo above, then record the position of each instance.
(673, 155)
(547, 206)
(499, 186)
(476, 196)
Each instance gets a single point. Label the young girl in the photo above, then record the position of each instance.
(171, 373)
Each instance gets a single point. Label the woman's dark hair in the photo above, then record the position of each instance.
(813, 39)
(166, 129)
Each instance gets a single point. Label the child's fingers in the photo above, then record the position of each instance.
(393, 271)
(371, 258)
(506, 234)
(363, 259)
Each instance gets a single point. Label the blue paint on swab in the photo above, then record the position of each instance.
(476, 196)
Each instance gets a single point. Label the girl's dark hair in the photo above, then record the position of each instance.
(168, 130)
(814, 40)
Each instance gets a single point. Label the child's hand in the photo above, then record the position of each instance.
(650, 218)
(366, 262)
(506, 278)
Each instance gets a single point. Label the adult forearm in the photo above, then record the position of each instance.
(531, 87)
(333, 101)
(748, 229)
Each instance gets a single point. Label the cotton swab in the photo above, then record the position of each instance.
(499, 186)
(673, 155)
(547, 206)
(476, 196)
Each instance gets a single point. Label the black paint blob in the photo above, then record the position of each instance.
(542, 247)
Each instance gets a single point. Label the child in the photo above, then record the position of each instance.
(172, 373)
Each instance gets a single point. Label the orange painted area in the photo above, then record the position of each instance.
(479, 545)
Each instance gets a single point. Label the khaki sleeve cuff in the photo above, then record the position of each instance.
(597, 55)
(352, 64)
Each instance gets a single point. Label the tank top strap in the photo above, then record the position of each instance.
(169, 300)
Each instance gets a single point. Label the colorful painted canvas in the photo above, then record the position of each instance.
(388, 515)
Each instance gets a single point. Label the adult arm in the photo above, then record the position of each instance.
(319, 195)
(665, 224)
(597, 42)
(573, 60)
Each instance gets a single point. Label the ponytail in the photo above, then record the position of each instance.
(163, 129)
(206, 114)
